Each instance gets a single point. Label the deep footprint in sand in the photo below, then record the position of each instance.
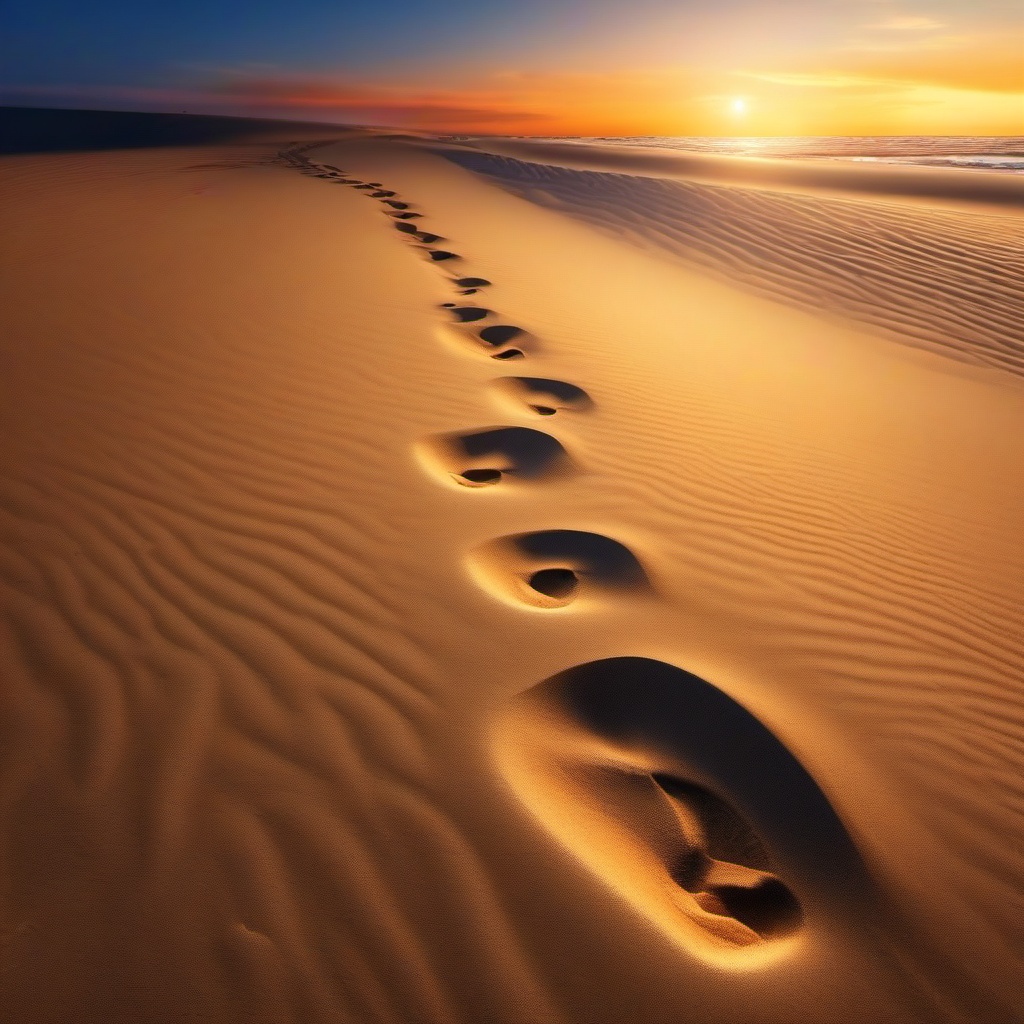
(554, 568)
(396, 205)
(470, 285)
(439, 255)
(498, 454)
(496, 344)
(501, 334)
(696, 813)
(466, 314)
(544, 396)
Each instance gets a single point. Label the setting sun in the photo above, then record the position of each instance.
(738, 106)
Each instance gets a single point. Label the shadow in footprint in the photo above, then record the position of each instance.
(466, 314)
(545, 397)
(495, 341)
(501, 334)
(472, 282)
(395, 204)
(439, 255)
(695, 811)
(406, 216)
(497, 336)
(553, 568)
(486, 457)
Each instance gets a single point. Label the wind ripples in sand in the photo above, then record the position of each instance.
(943, 280)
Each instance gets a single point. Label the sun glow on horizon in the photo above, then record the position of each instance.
(864, 68)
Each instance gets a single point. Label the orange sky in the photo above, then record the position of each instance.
(911, 78)
(601, 67)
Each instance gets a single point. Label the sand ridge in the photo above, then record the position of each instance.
(949, 280)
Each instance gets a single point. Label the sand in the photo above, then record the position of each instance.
(451, 583)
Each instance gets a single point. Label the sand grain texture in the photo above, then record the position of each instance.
(636, 639)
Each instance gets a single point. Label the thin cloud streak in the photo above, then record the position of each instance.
(901, 23)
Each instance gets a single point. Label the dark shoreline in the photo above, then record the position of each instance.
(49, 130)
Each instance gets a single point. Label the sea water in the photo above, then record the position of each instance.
(989, 153)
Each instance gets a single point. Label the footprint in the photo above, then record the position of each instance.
(465, 314)
(484, 457)
(382, 194)
(472, 282)
(406, 216)
(463, 335)
(396, 205)
(501, 334)
(406, 228)
(494, 340)
(553, 568)
(427, 238)
(438, 255)
(545, 397)
(683, 803)
(364, 187)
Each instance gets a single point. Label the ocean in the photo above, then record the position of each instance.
(989, 153)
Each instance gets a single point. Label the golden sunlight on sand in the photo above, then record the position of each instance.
(491, 581)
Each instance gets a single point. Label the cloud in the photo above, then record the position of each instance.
(974, 63)
(311, 99)
(513, 102)
(812, 79)
(907, 23)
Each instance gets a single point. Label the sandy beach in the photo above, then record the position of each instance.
(500, 582)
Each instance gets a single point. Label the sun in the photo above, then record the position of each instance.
(738, 106)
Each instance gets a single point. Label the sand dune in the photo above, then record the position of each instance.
(667, 673)
(950, 186)
(951, 280)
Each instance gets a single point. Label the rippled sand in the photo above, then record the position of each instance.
(451, 583)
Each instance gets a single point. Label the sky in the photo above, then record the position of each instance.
(535, 67)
